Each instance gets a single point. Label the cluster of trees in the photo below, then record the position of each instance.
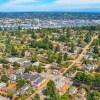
(4, 78)
(10, 94)
(95, 95)
(7, 66)
(38, 69)
(88, 37)
(57, 58)
(41, 44)
(34, 59)
(36, 97)
(98, 69)
(11, 49)
(96, 42)
(20, 83)
(4, 61)
(16, 65)
(88, 78)
(96, 50)
(52, 92)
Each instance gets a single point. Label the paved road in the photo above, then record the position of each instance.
(80, 57)
(40, 88)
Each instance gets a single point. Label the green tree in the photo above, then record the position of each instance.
(51, 58)
(79, 76)
(96, 50)
(14, 51)
(34, 36)
(52, 91)
(59, 60)
(68, 33)
(7, 66)
(57, 49)
(8, 48)
(39, 69)
(34, 59)
(65, 96)
(4, 78)
(72, 47)
(87, 38)
(98, 69)
(36, 97)
(95, 42)
(16, 64)
(90, 78)
(65, 56)
(20, 83)
(10, 94)
(97, 80)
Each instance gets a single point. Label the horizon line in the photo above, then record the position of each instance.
(51, 11)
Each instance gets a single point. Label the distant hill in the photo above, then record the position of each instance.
(52, 15)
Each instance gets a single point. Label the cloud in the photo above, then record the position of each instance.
(16, 2)
(74, 2)
(49, 5)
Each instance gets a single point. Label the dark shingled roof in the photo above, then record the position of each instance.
(34, 77)
(26, 76)
(39, 80)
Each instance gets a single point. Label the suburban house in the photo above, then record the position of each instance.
(81, 98)
(36, 64)
(25, 87)
(72, 74)
(37, 80)
(47, 66)
(16, 75)
(64, 88)
(73, 90)
(9, 87)
(13, 77)
(26, 76)
(27, 64)
(10, 71)
(15, 59)
(34, 79)
(90, 67)
(2, 84)
(82, 92)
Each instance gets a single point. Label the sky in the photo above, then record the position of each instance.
(49, 5)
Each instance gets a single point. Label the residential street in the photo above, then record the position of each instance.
(80, 57)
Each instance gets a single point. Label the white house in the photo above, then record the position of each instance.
(90, 67)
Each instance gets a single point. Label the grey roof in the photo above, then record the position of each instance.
(72, 90)
(26, 75)
(39, 80)
(34, 77)
(26, 64)
(25, 86)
